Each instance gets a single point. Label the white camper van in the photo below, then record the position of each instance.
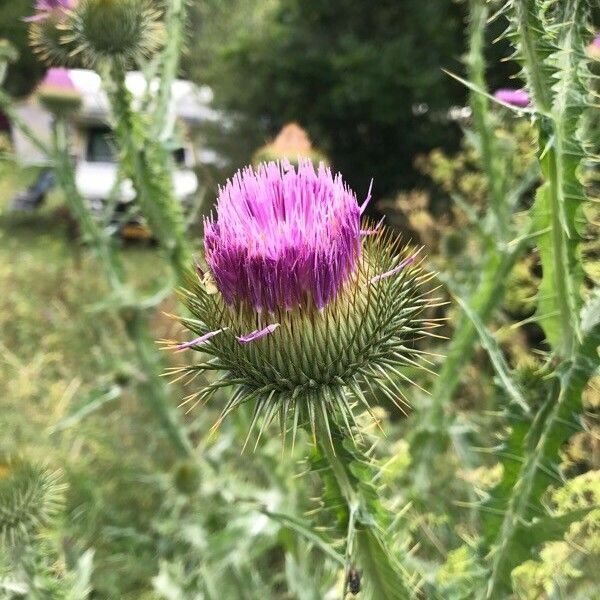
(92, 144)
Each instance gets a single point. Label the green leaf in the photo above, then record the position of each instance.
(496, 356)
(531, 460)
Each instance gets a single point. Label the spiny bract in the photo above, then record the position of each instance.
(126, 30)
(47, 31)
(301, 310)
(30, 496)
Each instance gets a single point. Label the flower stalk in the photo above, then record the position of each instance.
(148, 163)
(156, 393)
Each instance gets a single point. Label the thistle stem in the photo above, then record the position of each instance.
(149, 166)
(155, 395)
(479, 13)
(170, 64)
(366, 518)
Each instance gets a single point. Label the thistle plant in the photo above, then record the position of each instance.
(46, 32)
(303, 313)
(58, 93)
(30, 498)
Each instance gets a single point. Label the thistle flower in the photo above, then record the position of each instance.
(519, 98)
(300, 308)
(45, 9)
(58, 93)
(126, 30)
(47, 31)
(30, 497)
(593, 48)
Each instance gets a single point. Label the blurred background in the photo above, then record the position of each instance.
(358, 84)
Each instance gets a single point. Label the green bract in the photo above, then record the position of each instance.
(317, 363)
(30, 496)
(128, 30)
(50, 40)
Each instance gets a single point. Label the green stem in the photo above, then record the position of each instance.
(91, 232)
(155, 391)
(170, 65)
(564, 404)
(148, 164)
(479, 13)
(367, 520)
(557, 124)
(156, 395)
(483, 301)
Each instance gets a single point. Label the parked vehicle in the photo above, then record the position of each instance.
(96, 168)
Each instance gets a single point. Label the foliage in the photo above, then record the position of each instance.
(353, 90)
(488, 489)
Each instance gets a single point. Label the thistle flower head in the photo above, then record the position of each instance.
(126, 30)
(58, 92)
(519, 98)
(30, 497)
(45, 8)
(283, 237)
(47, 31)
(300, 308)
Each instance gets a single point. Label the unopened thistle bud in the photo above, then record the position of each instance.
(58, 93)
(47, 31)
(186, 478)
(301, 309)
(30, 497)
(126, 30)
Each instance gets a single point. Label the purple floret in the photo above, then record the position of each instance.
(58, 78)
(44, 7)
(518, 98)
(283, 237)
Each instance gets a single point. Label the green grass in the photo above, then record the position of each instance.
(60, 349)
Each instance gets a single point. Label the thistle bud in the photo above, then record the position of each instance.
(58, 93)
(47, 31)
(127, 30)
(186, 478)
(30, 497)
(306, 309)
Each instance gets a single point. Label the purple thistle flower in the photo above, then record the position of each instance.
(283, 237)
(43, 8)
(593, 48)
(519, 98)
(58, 78)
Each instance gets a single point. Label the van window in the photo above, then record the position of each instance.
(179, 157)
(100, 145)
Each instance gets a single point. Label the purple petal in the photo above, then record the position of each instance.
(283, 236)
(364, 205)
(519, 98)
(375, 229)
(257, 334)
(199, 340)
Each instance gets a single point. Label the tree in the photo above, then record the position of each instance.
(353, 74)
